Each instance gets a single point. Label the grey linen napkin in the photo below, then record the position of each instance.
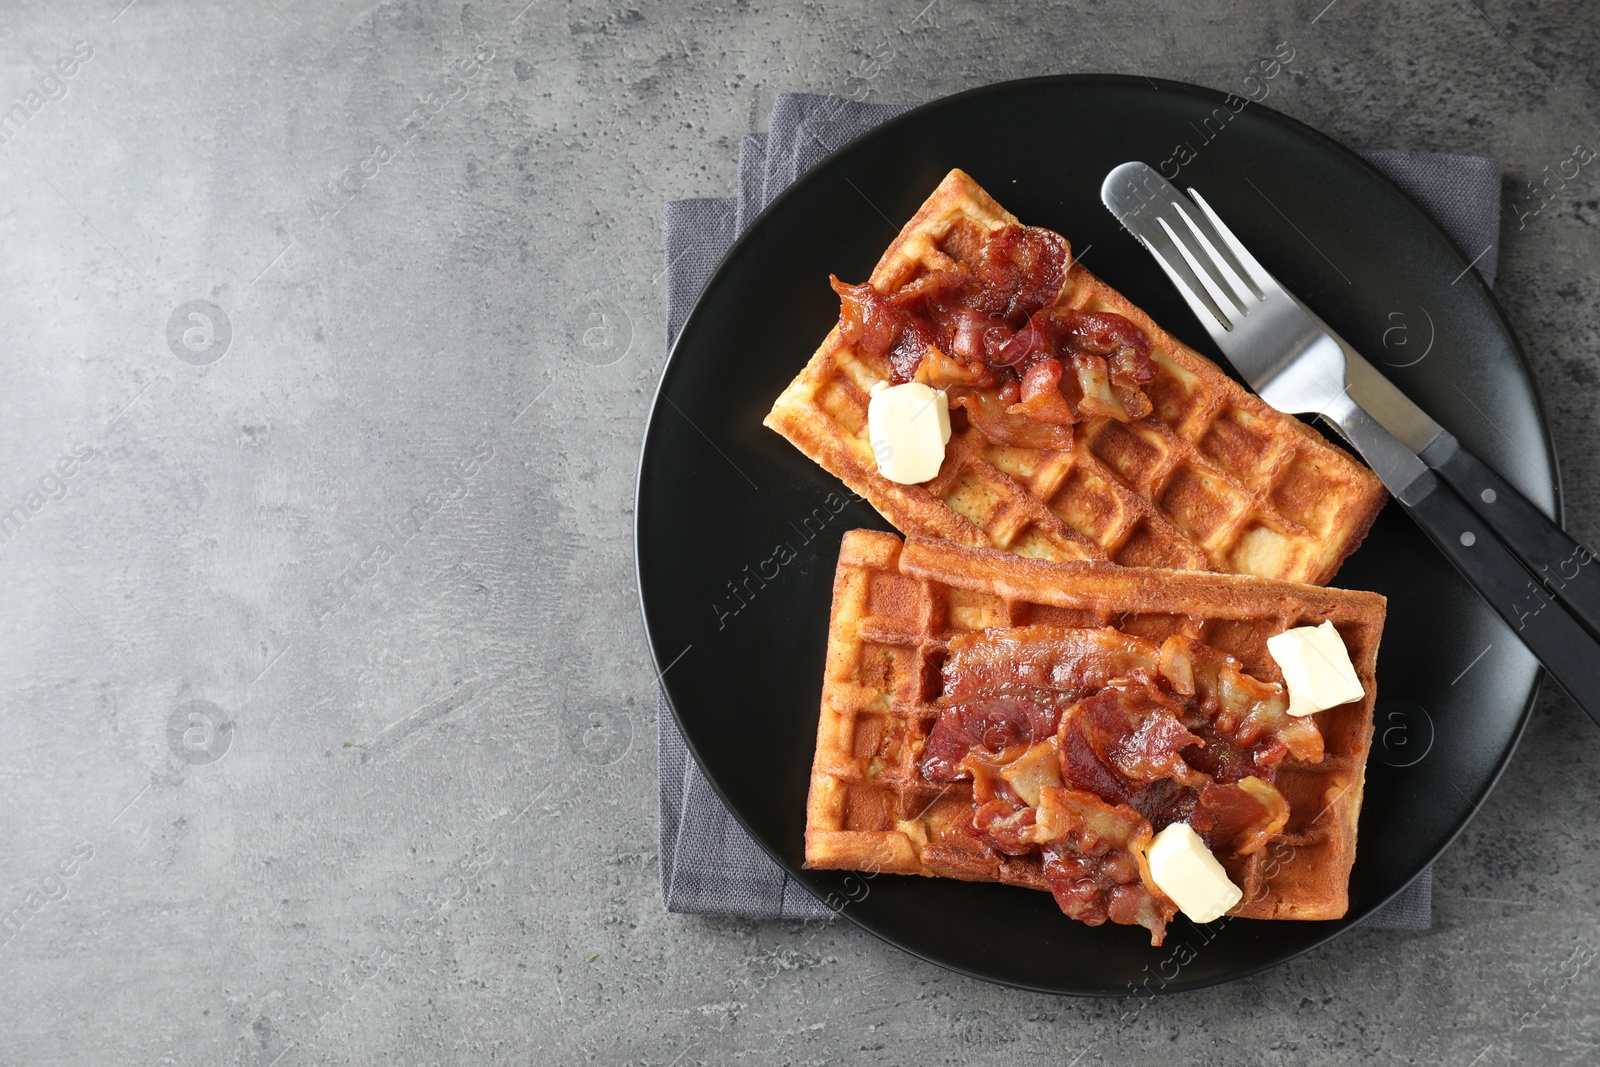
(709, 865)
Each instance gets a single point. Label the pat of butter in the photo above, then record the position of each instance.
(908, 425)
(1184, 869)
(1316, 667)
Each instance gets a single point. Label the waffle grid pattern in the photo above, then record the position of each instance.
(895, 610)
(1214, 479)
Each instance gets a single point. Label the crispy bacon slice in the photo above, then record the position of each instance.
(1022, 269)
(954, 371)
(1005, 827)
(992, 721)
(1033, 771)
(1240, 817)
(1249, 713)
(1126, 736)
(1109, 357)
(1104, 333)
(990, 410)
(1010, 685)
(1095, 859)
(874, 323)
(1018, 772)
(1081, 742)
(1067, 658)
(1221, 760)
(1042, 399)
(1128, 744)
(1057, 330)
(1094, 382)
(1007, 786)
(985, 328)
(1132, 743)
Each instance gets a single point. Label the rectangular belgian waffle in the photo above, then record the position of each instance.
(1213, 479)
(895, 608)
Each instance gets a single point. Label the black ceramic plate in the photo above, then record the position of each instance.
(721, 498)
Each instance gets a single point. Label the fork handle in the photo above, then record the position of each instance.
(1558, 561)
(1569, 652)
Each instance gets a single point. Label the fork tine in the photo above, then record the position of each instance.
(1207, 261)
(1223, 293)
(1233, 251)
(1168, 255)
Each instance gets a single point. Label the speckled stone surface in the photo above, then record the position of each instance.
(328, 332)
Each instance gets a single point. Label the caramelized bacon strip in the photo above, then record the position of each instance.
(874, 323)
(940, 371)
(1094, 381)
(1108, 354)
(1005, 827)
(1042, 399)
(1221, 760)
(1033, 771)
(992, 721)
(1006, 787)
(1095, 861)
(1240, 817)
(1009, 686)
(1251, 714)
(985, 328)
(1125, 736)
(1080, 742)
(1068, 658)
(1018, 772)
(991, 412)
(1022, 269)
(1128, 744)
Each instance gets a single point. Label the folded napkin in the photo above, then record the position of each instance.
(709, 865)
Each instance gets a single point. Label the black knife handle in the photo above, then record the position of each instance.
(1569, 652)
(1567, 569)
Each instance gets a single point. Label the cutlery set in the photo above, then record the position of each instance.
(1532, 572)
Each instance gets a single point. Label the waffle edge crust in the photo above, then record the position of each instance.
(1213, 479)
(895, 607)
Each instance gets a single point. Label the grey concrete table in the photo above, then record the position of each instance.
(328, 332)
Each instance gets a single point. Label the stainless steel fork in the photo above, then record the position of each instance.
(1539, 579)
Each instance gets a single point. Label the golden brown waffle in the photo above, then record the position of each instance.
(1213, 479)
(895, 608)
